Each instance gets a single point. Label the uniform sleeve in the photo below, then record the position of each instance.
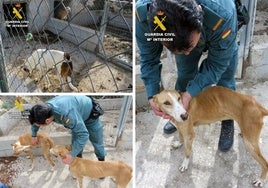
(34, 129)
(222, 47)
(80, 134)
(150, 53)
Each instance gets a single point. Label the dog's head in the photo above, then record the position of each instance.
(18, 148)
(61, 150)
(66, 65)
(169, 101)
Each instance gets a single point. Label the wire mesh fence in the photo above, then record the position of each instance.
(66, 45)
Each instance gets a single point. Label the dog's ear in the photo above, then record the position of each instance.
(67, 55)
(68, 147)
(155, 98)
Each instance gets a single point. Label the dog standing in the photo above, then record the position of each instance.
(45, 60)
(95, 169)
(215, 104)
(24, 145)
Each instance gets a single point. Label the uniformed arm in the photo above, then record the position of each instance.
(220, 54)
(75, 122)
(34, 130)
(150, 53)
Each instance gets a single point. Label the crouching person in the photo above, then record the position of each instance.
(75, 113)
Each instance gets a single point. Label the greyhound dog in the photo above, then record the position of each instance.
(214, 104)
(95, 169)
(24, 145)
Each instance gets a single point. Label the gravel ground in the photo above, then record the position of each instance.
(41, 176)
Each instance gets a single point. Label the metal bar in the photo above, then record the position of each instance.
(103, 26)
(246, 34)
(252, 5)
(127, 101)
(3, 77)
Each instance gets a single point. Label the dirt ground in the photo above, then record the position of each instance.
(60, 177)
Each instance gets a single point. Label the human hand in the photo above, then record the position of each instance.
(68, 159)
(185, 99)
(34, 140)
(157, 110)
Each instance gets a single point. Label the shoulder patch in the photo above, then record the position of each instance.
(67, 121)
(226, 33)
(211, 19)
(217, 25)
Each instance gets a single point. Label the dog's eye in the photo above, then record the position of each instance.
(167, 103)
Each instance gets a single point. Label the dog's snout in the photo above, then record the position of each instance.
(184, 117)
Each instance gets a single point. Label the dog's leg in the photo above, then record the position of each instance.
(30, 154)
(46, 153)
(121, 181)
(187, 132)
(121, 186)
(52, 163)
(48, 81)
(251, 141)
(69, 81)
(177, 144)
(80, 181)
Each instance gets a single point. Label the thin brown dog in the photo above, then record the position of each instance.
(214, 104)
(24, 145)
(95, 169)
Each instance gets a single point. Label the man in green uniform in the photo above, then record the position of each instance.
(74, 113)
(188, 28)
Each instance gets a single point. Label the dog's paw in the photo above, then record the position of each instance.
(176, 144)
(184, 165)
(257, 183)
(183, 168)
(52, 169)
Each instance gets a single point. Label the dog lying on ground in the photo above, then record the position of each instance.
(214, 104)
(45, 60)
(95, 169)
(24, 145)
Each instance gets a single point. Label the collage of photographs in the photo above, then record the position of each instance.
(111, 93)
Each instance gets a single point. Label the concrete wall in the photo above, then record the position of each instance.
(38, 13)
(84, 37)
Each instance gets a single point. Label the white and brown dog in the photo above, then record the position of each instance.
(95, 169)
(24, 145)
(214, 104)
(45, 60)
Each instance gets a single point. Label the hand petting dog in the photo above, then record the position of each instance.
(68, 159)
(157, 110)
